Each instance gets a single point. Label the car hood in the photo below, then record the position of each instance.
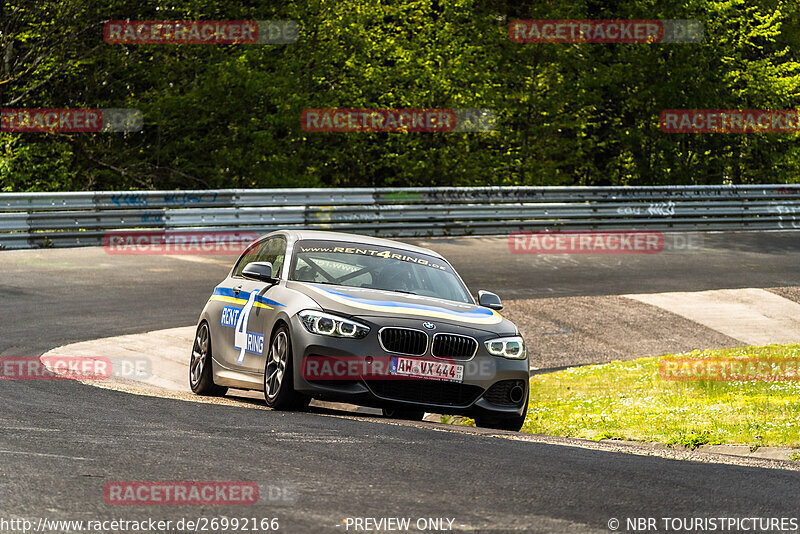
(374, 303)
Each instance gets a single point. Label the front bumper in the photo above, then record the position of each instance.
(490, 384)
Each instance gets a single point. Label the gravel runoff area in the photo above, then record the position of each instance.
(567, 331)
(561, 332)
(791, 293)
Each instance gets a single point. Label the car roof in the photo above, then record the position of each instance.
(296, 235)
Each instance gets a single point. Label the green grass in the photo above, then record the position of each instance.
(631, 401)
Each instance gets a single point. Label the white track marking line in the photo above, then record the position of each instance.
(752, 316)
(45, 455)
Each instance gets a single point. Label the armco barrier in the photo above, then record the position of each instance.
(82, 219)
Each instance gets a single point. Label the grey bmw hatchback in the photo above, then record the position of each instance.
(369, 321)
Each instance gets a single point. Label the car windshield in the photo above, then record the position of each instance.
(376, 267)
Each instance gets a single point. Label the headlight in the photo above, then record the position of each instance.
(326, 324)
(507, 347)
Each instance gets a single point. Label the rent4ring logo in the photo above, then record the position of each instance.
(229, 316)
(253, 343)
(238, 318)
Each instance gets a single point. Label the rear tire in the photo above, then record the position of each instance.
(201, 376)
(403, 413)
(279, 390)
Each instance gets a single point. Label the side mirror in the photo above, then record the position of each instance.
(489, 300)
(260, 271)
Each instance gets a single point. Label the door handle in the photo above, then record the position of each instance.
(236, 290)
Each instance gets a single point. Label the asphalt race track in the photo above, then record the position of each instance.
(62, 441)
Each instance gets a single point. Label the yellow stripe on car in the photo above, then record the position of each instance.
(233, 300)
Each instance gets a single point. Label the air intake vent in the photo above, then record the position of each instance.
(506, 393)
(404, 341)
(453, 346)
(427, 391)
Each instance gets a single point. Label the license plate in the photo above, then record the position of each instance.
(427, 369)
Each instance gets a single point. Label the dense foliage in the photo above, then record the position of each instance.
(228, 116)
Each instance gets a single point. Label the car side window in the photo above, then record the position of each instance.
(272, 250)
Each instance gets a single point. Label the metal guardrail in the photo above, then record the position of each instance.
(82, 219)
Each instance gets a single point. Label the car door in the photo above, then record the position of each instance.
(250, 309)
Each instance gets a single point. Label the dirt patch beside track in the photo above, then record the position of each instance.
(569, 331)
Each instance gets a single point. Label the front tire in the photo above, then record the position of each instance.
(201, 378)
(279, 390)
